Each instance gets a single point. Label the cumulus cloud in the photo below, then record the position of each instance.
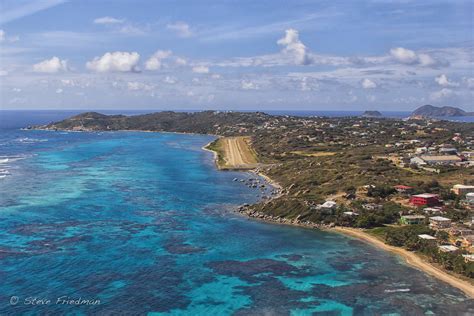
(368, 84)
(3, 73)
(201, 69)
(293, 47)
(409, 57)
(442, 94)
(52, 65)
(180, 28)
(155, 61)
(108, 20)
(443, 81)
(116, 61)
(2, 35)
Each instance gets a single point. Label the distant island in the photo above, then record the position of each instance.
(372, 114)
(443, 111)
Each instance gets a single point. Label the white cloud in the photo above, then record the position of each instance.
(403, 55)
(409, 57)
(59, 91)
(368, 84)
(3, 73)
(181, 61)
(4, 37)
(170, 80)
(248, 85)
(52, 65)
(294, 47)
(181, 28)
(155, 61)
(443, 81)
(138, 86)
(108, 20)
(201, 69)
(442, 94)
(116, 61)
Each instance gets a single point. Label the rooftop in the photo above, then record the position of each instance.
(428, 237)
(425, 195)
(441, 158)
(448, 248)
(440, 219)
(462, 186)
(413, 216)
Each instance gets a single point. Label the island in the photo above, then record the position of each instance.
(372, 114)
(444, 111)
(405, 185)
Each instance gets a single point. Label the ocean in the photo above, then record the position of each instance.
(137, 223)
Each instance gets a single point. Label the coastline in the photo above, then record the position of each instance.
(410, 258)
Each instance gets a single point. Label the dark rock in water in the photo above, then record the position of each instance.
(372, 114)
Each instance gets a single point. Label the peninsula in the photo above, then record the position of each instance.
(406, 183)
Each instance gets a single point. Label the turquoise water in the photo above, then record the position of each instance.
(142, 223)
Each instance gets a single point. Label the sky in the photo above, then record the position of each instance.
(386, 55)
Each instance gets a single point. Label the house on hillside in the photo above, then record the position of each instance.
(461, 189)
(412, 219)
(425, 199)
(439, 222)
(448, 248)
(403, 188)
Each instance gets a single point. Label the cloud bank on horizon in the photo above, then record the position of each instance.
(337, 55)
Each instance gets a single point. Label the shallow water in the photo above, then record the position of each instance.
(143, 223)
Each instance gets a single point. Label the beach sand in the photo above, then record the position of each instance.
(411, 258)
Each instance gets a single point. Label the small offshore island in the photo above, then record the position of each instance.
(404, 185)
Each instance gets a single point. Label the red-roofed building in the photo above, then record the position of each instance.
(403, 188)
(425, 199)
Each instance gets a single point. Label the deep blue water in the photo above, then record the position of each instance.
(143, 223)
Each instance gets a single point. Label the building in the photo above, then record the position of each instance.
(439, 222)
(403, 188)
(427, 238)
(470, 198)
(372, 206)
(441, 160)
(448, 248)
(412, 219)
(461, 189)
(417, 161)
(433, 210)
(468, 258)
(425, 199)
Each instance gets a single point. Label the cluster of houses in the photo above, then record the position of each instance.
(460, 235)
(443, 155)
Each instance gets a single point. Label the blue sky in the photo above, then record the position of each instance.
(239, 55)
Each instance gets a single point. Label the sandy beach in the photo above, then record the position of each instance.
(412, 259)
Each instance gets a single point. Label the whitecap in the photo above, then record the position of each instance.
(397, 290)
